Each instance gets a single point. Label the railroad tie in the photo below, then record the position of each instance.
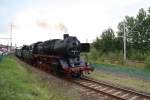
(116, 93)
(92, 85)
(110, 90)
(125, 95)
(98, 87)
(133, 98)
(104, 88)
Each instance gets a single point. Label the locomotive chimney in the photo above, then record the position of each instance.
(66, 36)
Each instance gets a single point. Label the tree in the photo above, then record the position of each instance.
(139, 32)
(97, 44)
(106, 42)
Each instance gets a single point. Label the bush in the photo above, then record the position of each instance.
(147, 62)
(137, 56)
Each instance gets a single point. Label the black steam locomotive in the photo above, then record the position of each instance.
(59, 56)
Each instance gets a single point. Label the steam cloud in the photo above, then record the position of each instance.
(60, 26)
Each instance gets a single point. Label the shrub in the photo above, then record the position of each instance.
(147, 62)
(137, 56)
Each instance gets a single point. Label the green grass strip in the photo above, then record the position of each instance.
(18, 83)
(131, 71)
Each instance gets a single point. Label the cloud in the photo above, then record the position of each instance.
(43, 24)
(61, 26)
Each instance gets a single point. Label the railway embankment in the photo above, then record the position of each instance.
(20, 83)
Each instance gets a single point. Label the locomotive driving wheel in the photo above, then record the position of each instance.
(57, 70)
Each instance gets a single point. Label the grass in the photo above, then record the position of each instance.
(142, 73)
(132, 77)
(127, 81)
(120, 63)
(19, 83)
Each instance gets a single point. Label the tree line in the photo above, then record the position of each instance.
(137, 31)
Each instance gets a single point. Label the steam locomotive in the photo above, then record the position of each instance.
(61, 57)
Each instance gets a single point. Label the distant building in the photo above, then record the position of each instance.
(7, 49)
(4, 48)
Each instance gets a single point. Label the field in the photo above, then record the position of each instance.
(135, 78)
(19, 83)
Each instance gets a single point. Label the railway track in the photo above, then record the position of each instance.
(113, 92)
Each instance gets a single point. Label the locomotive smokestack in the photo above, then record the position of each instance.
(66, 36)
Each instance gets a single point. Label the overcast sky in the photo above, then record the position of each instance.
(39, 20)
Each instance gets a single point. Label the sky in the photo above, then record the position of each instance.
(39, 20)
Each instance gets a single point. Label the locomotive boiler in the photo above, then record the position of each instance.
(61, 56)
(68, 47)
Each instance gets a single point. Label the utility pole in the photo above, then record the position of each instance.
(124, 42)
(11, 26)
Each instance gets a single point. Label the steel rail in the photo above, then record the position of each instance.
(131, 93)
